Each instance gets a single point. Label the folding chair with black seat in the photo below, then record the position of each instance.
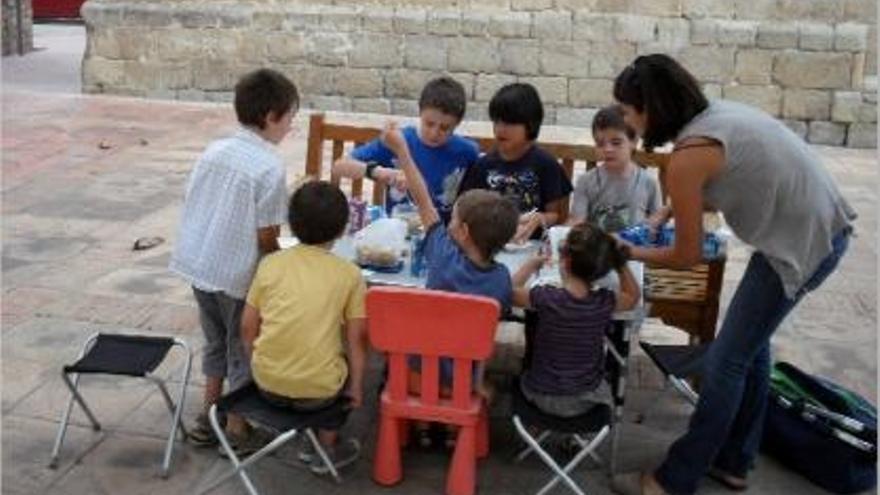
(283, 422)
(588, 430)
(679, 363)
(127, 355)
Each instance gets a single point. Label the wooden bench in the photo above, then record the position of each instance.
(686, 299)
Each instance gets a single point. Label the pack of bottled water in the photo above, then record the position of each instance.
(641, 234)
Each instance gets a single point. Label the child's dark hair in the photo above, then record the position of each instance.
(444, 94)
(491, 219)
(518, 103)
(261, 93)
(665, 91)
(611, 117)
(593, 252)
(318, 212)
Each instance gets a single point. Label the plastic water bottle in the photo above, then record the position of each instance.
(417, 255)
(637, 235)
(375, 212)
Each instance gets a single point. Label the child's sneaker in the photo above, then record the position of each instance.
(246, 444)
(307, 452)
(201, 434)
(345, 452)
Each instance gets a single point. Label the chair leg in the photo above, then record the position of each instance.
(386, 464)
(404, 426)
(462, 476)
(483, 433)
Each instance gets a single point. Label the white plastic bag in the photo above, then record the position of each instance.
(381, 243)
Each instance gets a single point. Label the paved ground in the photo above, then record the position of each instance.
(71, 209)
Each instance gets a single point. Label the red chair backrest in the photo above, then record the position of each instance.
(431, 324)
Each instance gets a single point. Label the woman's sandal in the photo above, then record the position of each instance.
(729, 481)
(629, 483)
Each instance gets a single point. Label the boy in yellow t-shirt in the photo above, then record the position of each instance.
(299, 302)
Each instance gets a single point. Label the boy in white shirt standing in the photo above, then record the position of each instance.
(236, 200)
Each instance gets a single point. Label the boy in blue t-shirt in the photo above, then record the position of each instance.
(460, 257)
(441, 156)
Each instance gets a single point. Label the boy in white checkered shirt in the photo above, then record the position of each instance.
(236, 200)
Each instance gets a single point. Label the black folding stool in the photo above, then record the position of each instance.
(128, 355)
(678, 363)
(599, 422)
(285, 423)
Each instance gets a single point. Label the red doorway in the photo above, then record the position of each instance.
(44, 9)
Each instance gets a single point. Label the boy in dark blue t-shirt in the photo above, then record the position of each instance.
(517, 168)
(460, 257)
(441, 156)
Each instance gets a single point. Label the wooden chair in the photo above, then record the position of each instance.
(686, 299)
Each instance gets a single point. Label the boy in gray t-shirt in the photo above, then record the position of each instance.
(619, 193)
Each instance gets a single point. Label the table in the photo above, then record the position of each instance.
(627, 323)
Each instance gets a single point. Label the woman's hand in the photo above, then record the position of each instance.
(656, 221)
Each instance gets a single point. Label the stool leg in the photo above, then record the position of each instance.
(386, 464)
(237, 467)
(65, 417)
(462, 476)
(176, 422)
(79, 400)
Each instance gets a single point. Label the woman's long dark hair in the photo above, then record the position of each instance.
(665, 91)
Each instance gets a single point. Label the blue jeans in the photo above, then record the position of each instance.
(725, 429)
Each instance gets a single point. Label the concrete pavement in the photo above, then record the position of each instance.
(83, 177)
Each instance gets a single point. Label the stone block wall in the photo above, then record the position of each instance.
(18, 33)
(808, 62)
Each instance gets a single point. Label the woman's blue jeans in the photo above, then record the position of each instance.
(725, 429)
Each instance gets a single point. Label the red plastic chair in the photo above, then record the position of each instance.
(432, 324)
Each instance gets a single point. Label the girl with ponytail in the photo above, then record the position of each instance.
(564, 366)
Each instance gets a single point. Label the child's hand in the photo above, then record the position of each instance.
(393, 138)
(528, 223)
(399, 181)
(536, 262)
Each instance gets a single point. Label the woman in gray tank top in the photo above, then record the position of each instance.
(775, 196)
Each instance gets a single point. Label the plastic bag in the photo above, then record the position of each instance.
(381, 243)
(409, 214)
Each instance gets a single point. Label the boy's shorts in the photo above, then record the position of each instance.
(567, 406)
(309, 405)
(223, 354)
(302, 405)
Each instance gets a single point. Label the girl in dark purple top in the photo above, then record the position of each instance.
(565, 371)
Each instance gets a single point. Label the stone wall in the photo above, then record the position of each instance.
(18, 34)
(809, 62)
